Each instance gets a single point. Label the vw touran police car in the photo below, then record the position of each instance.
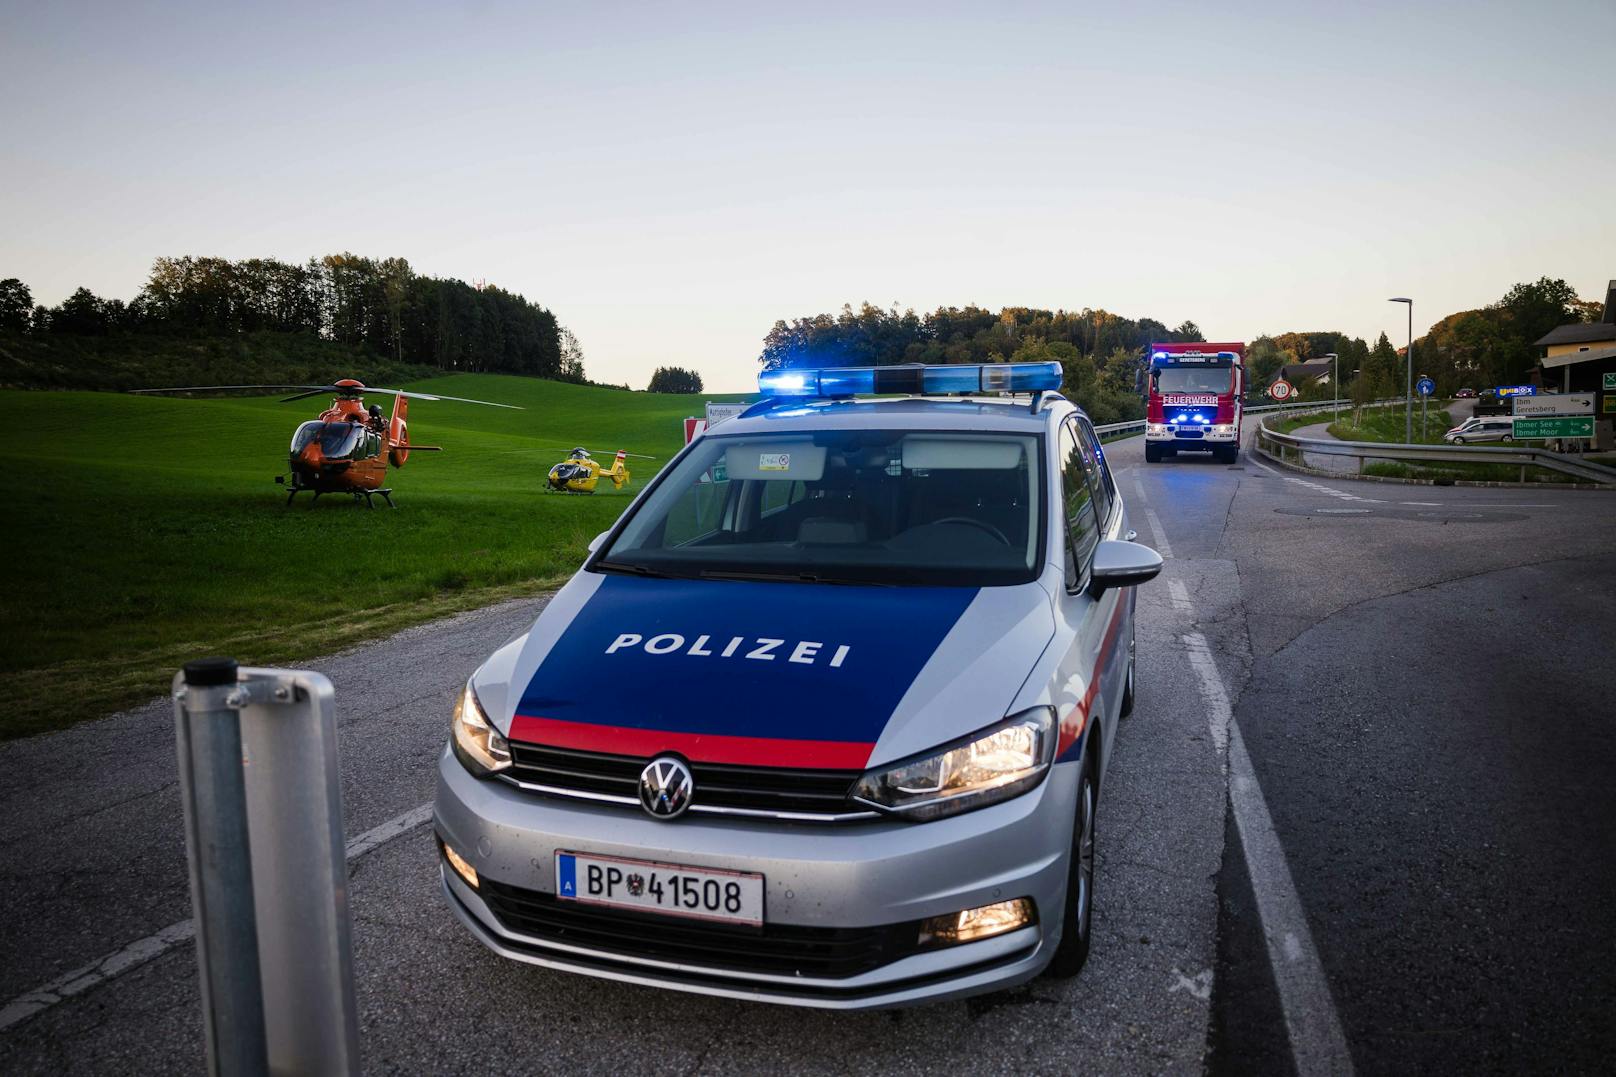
(824, 719)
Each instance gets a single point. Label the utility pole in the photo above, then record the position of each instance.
(1335, 382)
(1408, 398)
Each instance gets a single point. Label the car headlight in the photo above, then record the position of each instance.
(1155, 428)
(985, 768)
(477, 744)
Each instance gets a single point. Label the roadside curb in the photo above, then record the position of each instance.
(1434, 482)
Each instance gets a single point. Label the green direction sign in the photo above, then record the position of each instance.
(1569, 426)
(1610, 382)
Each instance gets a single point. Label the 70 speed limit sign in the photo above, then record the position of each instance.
(1281, 390)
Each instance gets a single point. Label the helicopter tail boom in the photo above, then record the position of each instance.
(398, 431)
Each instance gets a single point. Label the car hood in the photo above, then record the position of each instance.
(764, 674)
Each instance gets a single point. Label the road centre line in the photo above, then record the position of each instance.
(141, 951)
(1318, 1044)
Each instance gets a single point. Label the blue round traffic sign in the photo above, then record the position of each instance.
(1425, 386)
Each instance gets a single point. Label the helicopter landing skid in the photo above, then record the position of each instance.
(385, 493)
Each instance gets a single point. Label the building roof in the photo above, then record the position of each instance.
(1313, 368)
(1581, 333)
(1587, 355)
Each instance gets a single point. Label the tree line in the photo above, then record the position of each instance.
(1099, 351)
(674, 379)
(1472, 349)
(381, 305)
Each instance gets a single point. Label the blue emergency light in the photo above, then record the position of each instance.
(913, 378)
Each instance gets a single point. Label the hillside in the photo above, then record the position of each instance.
(118, 361)
(146, 531)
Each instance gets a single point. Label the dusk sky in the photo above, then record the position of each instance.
(670, 182)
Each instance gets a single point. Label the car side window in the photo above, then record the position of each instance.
(1105, 487)
(1077, 489)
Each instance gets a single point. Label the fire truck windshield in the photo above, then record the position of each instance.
(1192, 379)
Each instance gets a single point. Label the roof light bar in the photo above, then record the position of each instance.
(914, 378)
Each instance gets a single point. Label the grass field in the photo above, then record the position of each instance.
(147, 531)
(1387, 424)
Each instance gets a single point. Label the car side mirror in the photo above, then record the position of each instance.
(594, 543)
(1121, 564)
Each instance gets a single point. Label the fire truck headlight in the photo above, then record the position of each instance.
(1225, 430)
(480, 747)
(1155, 429)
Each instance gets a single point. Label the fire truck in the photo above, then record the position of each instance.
(1193, 400)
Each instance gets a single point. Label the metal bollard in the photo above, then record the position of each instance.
(269, 878)
(213, 787)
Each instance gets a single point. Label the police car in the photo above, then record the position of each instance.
(824, 718)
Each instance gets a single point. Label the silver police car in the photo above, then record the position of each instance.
(824, 719)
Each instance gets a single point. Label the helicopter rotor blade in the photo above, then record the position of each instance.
(435, 396)
(317, 390)
(222, 388)
(324, 390)
(592, 452)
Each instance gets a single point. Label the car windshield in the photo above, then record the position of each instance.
(857, 506)
(1193, 379)
(336, 439)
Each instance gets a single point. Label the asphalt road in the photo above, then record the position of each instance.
(1416, 679)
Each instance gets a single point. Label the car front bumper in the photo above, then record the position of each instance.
(847, 876)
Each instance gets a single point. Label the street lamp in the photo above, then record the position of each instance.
(1408, 399)
(1335, 382)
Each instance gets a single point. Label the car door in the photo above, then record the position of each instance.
(1117, 604)
(1086, 618)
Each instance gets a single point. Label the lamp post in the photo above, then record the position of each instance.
(1335, 382)
(1408, 398)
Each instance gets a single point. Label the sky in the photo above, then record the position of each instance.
(672, 179)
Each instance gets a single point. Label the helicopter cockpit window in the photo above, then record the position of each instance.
(305, 434)
(337, 440)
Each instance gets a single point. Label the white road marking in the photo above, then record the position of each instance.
(156, 945)
(1319, 487)
(1423, 504)
(1317, 1041)
(1199, 985)
(1163, 547)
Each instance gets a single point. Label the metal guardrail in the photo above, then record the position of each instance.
(1290, 448)
(1138, 425)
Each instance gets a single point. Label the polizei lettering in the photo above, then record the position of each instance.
(805, 652)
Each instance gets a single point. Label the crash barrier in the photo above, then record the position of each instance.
(1291, 449)
(1138, 425)
(269, 882)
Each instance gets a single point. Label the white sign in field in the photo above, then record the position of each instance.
(717, 413)
(1532, 407)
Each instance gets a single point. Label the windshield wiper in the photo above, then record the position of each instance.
(633, 570)
(788, 577)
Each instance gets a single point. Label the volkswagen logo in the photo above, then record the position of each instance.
(665, 787)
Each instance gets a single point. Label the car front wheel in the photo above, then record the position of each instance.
(1078, 914)
(1458, 441)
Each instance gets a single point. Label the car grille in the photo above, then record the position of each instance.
(783, 949)
(768, 791)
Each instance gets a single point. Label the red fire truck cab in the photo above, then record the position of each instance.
(1192, 399)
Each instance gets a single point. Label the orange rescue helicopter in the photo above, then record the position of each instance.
(347, 449)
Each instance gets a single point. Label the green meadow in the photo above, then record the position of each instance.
(143, 531)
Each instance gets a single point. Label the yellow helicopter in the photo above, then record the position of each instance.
(580, 473)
